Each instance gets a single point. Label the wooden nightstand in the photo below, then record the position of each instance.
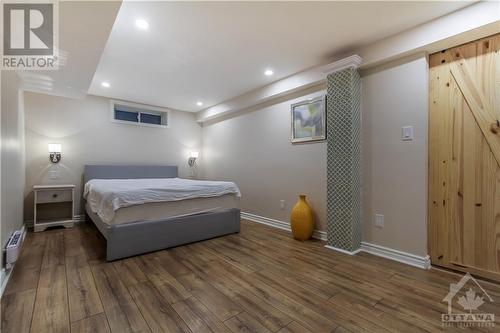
(54, 206)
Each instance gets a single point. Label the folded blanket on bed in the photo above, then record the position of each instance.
(105, 196)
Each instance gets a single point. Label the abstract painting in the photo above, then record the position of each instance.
(309, 120)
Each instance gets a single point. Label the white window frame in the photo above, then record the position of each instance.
(155, 110)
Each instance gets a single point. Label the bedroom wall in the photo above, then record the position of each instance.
(87, 135)
(254, 150)
(395, 171)
(12, 156)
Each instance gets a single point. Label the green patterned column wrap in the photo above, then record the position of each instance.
(344, 214)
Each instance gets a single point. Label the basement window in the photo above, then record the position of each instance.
(137, 114)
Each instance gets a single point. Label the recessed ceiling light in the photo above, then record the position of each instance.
(268, 72)
(105, 84)
(142, 24)
(199, 103)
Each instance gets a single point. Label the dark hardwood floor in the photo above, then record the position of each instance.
(260, 280)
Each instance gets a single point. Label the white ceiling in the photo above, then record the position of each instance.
(214, 51)
(80, 48)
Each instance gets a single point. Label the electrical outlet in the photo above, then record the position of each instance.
(378, 221)
(282, 204)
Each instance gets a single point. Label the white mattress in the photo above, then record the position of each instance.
(107, 197)
(163, 210)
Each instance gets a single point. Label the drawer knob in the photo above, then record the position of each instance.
(54, 195)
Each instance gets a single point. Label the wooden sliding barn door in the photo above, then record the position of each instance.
(464, 158)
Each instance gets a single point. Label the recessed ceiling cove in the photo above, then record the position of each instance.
(175, 54)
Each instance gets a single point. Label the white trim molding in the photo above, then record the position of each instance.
(267, 221)
(79, 218)
(4, 278)
(23, 232)
(396, 255)
(317, 234)
(467, 24)
(351, 61)
(377, 250)
(342, 250)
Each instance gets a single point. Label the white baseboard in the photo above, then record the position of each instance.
(317, 234)
(351, 253)
(80, 218)
(23, 232)
(4, 278)
(265, 220)
(396, 255)
(381, 251)
(6, 273)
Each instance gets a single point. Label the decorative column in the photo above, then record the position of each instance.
(344, 216)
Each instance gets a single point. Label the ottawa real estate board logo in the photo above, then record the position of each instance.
(465, 300)
(30, 38)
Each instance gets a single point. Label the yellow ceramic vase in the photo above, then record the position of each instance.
(302, 220)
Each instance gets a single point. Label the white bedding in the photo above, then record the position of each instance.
(106, 196)
(156, 211)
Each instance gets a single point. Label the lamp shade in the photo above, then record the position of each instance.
(194, 154)
(54, 147)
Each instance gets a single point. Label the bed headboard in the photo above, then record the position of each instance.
(128, 171)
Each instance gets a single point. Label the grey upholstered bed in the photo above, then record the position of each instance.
(129, 239)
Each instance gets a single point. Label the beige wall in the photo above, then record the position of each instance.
(12, 156)
(254, 150)
(394, 171)
(87, 135)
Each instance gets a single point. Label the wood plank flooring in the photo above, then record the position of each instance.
(260, 280)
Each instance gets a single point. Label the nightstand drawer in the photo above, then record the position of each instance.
(47, 196)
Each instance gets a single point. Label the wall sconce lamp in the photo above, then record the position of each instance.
(192, 158)
(54, 152)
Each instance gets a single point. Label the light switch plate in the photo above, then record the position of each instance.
(378, 221)
(407, 133)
